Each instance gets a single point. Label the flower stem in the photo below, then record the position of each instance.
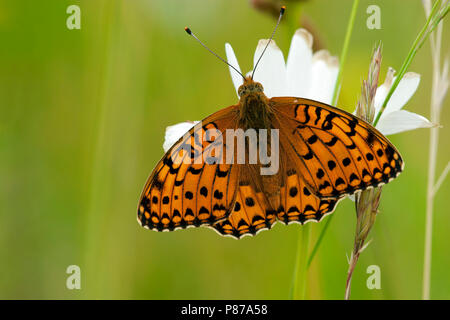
(366, 205)
(434, 137)
(319, 240)
(348, 35)
(96, 213)
(351, 268)
(300, 273)
(337, 86)
(435, 107)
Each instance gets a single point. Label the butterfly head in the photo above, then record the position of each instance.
(250, 87)
(254, 111)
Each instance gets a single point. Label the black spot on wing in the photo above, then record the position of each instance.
(331, 164)
(369, 156)
(291, 172)
(158, 184)
(203, 210)
(249, 202)
(178, 183)
(293, 191)
(293, 209)
(318, 111)
(195, 171)
(313, 139)
(346, 162)
(242, 223)
(332, 142)
(320, 173)
(220, 173)
(353, 177)
(324, 185)
(204, 191)
(339, 181)
(218, 194)
(327, 123)
(306, 191)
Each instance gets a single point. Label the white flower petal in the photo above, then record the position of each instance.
(231, 58)
(298, 67)
(402, 120)
(175, 132)
(271, 71)
(404, 91)
(324, 75)
(380, 95)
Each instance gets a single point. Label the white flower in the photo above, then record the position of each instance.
(306, 75)
(393, 119)
(313, 76)
(175, 132)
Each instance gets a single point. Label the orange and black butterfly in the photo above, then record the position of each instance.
(324, 154)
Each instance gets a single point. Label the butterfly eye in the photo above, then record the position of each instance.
(259, 87)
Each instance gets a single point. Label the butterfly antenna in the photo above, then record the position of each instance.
(189, 32)
(283, 9)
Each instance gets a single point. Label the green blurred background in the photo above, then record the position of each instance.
(82, 120)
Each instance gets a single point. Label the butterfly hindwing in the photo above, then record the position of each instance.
(255, 211)
(300, 205)
(336, 152)
(250, 214)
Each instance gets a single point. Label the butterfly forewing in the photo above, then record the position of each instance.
(189, 186)
(336, 152)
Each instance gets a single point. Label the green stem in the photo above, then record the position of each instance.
(348, 35)
(319, 240)
(300, 272)
(298, 288)
(432, 186)
(421, 37)
(96, 214)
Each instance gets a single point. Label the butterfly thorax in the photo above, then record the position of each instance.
(255, 111)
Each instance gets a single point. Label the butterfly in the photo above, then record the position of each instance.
(323, 155)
